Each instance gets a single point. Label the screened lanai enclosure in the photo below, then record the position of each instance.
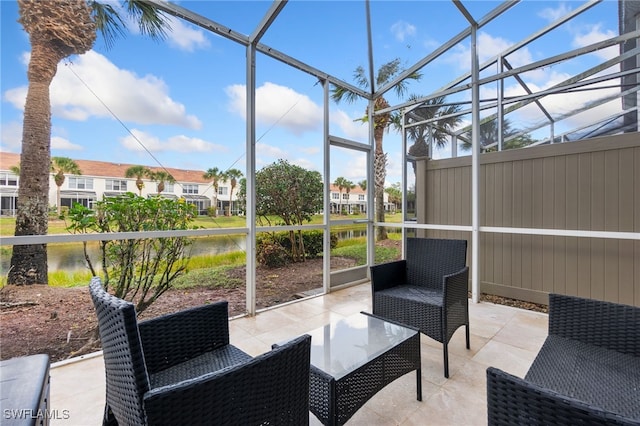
(513, 125)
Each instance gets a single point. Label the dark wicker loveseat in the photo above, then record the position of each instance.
(427, 290)
(179, 369)
(587, 371)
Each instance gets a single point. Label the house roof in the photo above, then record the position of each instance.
(109, 169)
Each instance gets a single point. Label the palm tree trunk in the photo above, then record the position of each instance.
(29, 262)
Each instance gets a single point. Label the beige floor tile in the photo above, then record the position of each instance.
(501, 336)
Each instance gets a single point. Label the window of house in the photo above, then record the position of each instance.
(361, 197)
(335, 196)
(223, 190)
(168, 187)
(116, 185)
(80, 183)
(345, 196)
(190, 188)
(8, 179)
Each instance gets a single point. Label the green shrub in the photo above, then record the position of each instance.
(272, 254)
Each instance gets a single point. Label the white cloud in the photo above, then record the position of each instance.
(179, 143)
(185, 36)
(402, 30)
(560, 104)
(11, 136)
(58, 142)
(140, 100)
(553, 14)
(278, 104)
(488, 47)
(592, 34)
(355, 130)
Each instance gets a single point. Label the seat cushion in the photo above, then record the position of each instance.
(209, 362)
(600, 377)
(413, 293)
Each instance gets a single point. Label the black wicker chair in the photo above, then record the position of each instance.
(587, 371)
(179, 369)
(428, 290)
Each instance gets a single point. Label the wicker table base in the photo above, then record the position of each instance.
(353, 359)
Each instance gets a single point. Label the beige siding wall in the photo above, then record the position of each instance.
(591, 185)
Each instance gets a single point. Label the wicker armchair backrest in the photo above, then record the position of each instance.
(126, 373)
(430, 259)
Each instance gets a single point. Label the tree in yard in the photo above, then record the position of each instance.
(60, 166)
(348, 186)
(292, 193)
(215, 175)
(395, 194)
(438, 131)
(139, 269)
(161, 177)
(386, 73)
(363, 185)
(489, 136)
(138, 172)
(341, 183)
(232, 175)
(57, 30)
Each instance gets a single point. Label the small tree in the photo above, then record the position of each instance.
(161, 178)
(232, 175)
(215, 175)
(139, 269)
(60, 166)
(341, 183)
(290, 192)
(138, 172)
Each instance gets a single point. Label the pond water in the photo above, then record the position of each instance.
(70, 256)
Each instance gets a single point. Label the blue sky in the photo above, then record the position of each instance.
(183, 99)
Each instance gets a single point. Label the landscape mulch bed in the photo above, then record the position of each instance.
(61, 321)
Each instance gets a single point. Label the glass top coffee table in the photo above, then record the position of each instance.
(354, 358)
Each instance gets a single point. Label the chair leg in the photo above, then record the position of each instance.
(467, 333)
(446, 360)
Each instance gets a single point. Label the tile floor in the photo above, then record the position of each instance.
(504, 337)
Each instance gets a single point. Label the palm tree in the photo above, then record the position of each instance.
(381, 123)
(363, 184)
(348, 186)
(138, 172)
(340, 182)
(489, 136)
(56, 31)
(161, 177)
(215, 175)
(60, 166)
(232, 175)
(439, 131)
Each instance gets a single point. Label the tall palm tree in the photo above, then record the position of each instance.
(232, 175)
(340, 182)
(57, 30)
(381, 123)
(489, 136)
(161, 177)
(60, 166)
(215, 175)
(138, 172)
(439, 131)
(348, 186)
(363, 184)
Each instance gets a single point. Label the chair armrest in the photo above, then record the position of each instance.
(171, 339)
(512, 400)
(456, 287)
(605, 324)
(272, 388)
(390, 274)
